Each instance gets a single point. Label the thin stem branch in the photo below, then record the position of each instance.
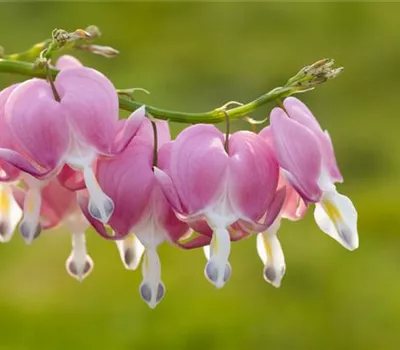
(51, 82)
(217, 115)
(155, 143)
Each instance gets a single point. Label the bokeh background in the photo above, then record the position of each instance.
(195, 57)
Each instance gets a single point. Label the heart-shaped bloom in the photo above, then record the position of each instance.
(305, 153)
(75, 130)
(140, 208)
(237, 186)
(268, 246)
(59, 206)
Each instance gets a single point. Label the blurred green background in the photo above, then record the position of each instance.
(194, 57)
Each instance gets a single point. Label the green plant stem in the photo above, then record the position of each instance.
(212, 117)
(30, 54)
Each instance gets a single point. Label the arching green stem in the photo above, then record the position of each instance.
(305, 80)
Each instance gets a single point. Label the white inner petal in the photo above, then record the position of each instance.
(101, 206)
(79, 264)
(81, 157)
(10, 213)
(131, 251)
(270, 251)
(336, 216)
(30, 224)
(206, 251)
(152, 289)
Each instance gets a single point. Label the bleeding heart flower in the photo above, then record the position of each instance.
(268, 246)
(140, 208)
(305, 153)
(204, 181)
(84, 125)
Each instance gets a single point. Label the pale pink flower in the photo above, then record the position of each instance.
(305, 153)
(203, 181)
(82, 126)
(140, 209)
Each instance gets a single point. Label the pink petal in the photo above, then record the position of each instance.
(199, 241)
(57, 202)
(67, 61)
(168, 188)
(253, 175)
(329, 158)
(8, 173)
(30, 110)
(16, 160)
(91, 104)
(294, 207)
(297, 150)
(127, 129)
(163, 133)
(198, 166)
(71, 179)
(166, 217)
(275, 207)
(128, 180)
(298, 111)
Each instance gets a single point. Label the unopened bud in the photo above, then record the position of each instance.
(93, 31)
(105, 51)
(80, 34)
(319, 67)
(314, 74)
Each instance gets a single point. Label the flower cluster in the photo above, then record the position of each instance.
(66, 158)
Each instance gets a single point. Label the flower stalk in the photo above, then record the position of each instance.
(306, 79)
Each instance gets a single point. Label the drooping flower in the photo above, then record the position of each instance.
(305, 153)
(84, 125)
(60, 207)
(140, 209)
(225, 187)
(268, 245)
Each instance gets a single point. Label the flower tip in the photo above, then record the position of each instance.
(79, 269)
(152, 295)
(350, 240)
(215, 275)
(82, 34)
(93, 31)
(5, 234)
(274, 277)
(29, 232)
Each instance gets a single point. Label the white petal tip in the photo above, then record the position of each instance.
(130, 261)
(101, 211)
(217, 274)
(5, 232)
(274, 277)
(79, 270)
(29, 232)
(152, 295)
